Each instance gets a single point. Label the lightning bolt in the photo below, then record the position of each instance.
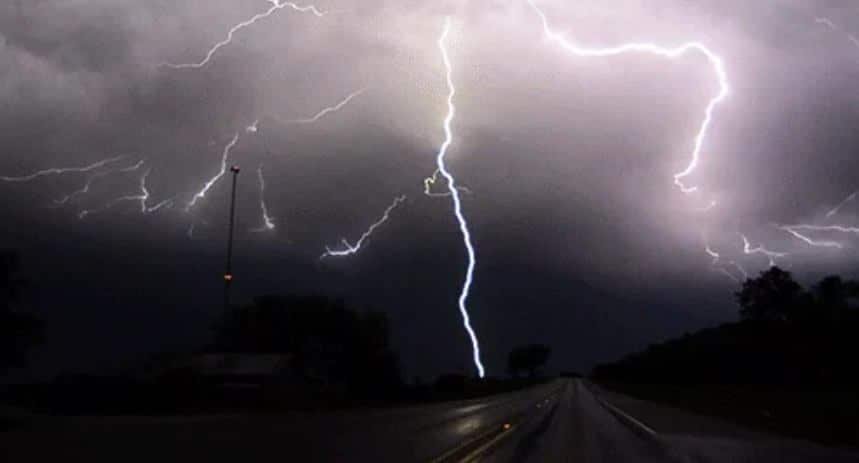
(725, 272)
(670, 53)
(716, 265)
(143, 198)
(208, 185)
(827, 228)
(740, 269)
(267, 220)
(709, 207)
(771, 255)
(91, 179)
(710, 252)
(830, 24)
(792, 229)
(840, 205)
(826, 22)
(328, 110)
(276, 6)
(62, 170)
(454, 194)
(430, 181)
(352, 249)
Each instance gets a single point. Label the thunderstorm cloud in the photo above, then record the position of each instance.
(569, 162)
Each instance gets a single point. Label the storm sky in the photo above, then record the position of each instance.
(583, 241)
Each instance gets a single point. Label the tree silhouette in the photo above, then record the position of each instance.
(325, 341)
(528, 358)
(19, 332)
(773, 296)
(831, 299)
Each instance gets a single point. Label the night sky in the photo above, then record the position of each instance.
(583, 240)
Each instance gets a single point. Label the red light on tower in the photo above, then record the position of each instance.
(228, 277)
(235, 169)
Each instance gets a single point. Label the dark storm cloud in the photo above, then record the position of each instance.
(570, 160)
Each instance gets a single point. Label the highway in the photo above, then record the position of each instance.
(566, 420)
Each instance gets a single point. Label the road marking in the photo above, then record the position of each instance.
(627, 417)
(473, 456)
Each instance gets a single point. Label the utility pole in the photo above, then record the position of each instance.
(228, 274)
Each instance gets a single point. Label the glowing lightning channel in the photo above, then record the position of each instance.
(330, 109)
(840, 205)
(276, 6)
(716, 265)
(352, 249)
(62, 170)
(740, 269)
(670, 53)
(91, 179)
(454, 194)
(430, 181)
(267, 220)
(143, 198)
(771, 255)
(208, 185)
(792, 229)
(830, 24)
(710, 252)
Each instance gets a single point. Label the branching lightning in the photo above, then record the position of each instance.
(62, 170)
(350, 249)
(793, 230)
(715, 255)
(835, 210)
(142, 198)
(717, 266)
(267, 220)
(454, 194)
(328, 110)
(276, 5)
(670, 53)
(208, 185)
(91, 179)
(740, 269)
(771, 255)
(430, 181)
(830, 24)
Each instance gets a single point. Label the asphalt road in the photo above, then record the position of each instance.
(562, 421)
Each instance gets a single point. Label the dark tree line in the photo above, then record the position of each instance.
(787, 334)
(326, 342)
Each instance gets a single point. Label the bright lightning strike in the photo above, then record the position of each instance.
(330, 109)
(350, 249)
(61, 170)
(276, 6)
(670, 53)
(454, 194)
(811, 242)
(771, 255)
(208, 185)
(267, 220)
(827, 228)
